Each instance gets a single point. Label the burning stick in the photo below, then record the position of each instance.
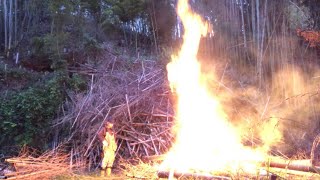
(166, 174)
(296, 165)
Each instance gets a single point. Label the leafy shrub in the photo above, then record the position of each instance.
(77, 83)
(91, 46)
(15, 78)
(25, 116)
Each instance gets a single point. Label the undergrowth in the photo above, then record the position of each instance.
(26, 115)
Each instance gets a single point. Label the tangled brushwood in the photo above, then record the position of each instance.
(134, 94)
(31, 165)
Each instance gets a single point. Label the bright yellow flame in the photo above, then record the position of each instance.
(270, 134)
(205, 140)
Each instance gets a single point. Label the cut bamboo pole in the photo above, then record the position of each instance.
(166, 174)
(296, 165)
(24, 176)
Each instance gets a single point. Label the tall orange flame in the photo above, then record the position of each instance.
(205, 140)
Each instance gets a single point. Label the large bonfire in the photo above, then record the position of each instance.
(205, 139)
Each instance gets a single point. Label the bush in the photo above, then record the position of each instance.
(26, 116)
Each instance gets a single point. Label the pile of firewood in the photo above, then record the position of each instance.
(28, 165)
(134, 95)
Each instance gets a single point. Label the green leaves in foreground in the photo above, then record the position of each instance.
(26, 116)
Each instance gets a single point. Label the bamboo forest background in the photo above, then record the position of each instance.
(251, 30)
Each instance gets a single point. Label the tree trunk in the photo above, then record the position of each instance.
(154, 27)
(10, 26)
(243, 28)
(22, 25)
(253, 21)
(1, 25)
(258, 38)
(261, 53)
(5, 17)
(15, 22)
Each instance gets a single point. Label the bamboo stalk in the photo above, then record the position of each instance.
(128, 108)
(154, 158)
(296, 165)
(30, 174)
(166, 174)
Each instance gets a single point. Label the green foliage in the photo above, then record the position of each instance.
(49, 44)
(59, 64)
(15, 78)
(127, 10)
(61, 6)
(14, 74)
(60, 11)
(26, 116)
(38, 46)
(110, 23)
(91, 5)
(165, 18)
(77, 83)
(92, 46)
(49, 48)
(298, 17)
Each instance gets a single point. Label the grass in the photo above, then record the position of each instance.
(124, 170)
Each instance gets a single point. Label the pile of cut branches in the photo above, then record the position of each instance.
(30, 165)
(135, 95)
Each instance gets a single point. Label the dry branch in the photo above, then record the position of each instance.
(296, 165)
(166, 174)
(47, 165)
(136, 97)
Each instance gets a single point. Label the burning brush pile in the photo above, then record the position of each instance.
(195, 134)
(206, 142)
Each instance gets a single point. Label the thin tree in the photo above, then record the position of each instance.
(5, 17)
(243, 29)
(10, 26)
(15, 22)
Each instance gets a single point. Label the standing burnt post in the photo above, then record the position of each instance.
(109, 147)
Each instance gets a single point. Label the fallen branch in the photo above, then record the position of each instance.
(47, 165)
(154, 158)
(166, 174)
(33, 174)
(296, 165)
